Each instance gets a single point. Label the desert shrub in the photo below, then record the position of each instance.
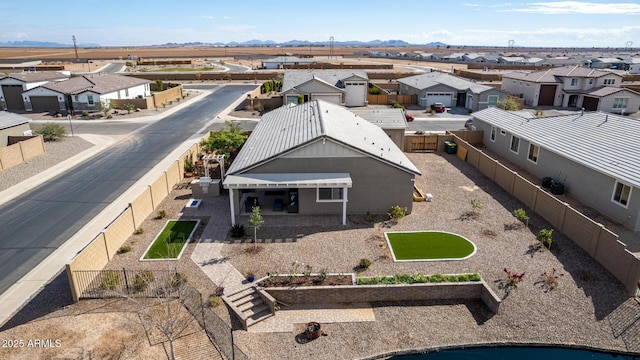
(139, 231)
(396, 212)
(110, 281)
(521, 215)
(374, 90)
(551, 280)
(161, 214)
(237, 231)
(513, 279)
(364, 263)
(51, 132)
(177, 280)
(124, 249)
(142, 280)
(544, 236)
(508, 103)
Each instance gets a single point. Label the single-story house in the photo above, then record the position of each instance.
(12, 86)
(634, 66)
(519, 60)
(608, 63)
(392, 121)
(348, 87)
(281, 62)
(595, 155)
(450, 90)
(84, 93)
(319, 158)
(13, 125)
(572, 86)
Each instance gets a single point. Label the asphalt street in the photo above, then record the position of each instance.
(37, 222)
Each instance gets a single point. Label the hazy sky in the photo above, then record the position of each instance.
(116, 22)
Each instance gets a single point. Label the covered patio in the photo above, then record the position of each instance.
(280, 192)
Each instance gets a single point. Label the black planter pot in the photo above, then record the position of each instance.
(557, 188)
(547, 182)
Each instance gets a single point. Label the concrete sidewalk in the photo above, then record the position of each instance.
(22, 291)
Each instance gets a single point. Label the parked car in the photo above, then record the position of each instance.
(408, 117)
(438, 107)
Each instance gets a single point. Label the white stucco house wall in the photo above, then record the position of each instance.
(341, 87)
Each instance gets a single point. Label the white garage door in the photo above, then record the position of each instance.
(356, 94)
(442, 98)
(332, 98)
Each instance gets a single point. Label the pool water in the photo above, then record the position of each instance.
(515, 352)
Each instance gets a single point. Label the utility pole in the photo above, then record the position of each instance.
(75, 46)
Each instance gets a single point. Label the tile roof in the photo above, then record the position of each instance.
(430, 79)
(29, 77)
(291, 127)
(385, 118)
(293, 78)
(98, 83)
(551, 75)
(603, 142)
(8, 120)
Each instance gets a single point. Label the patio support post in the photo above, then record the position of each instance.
(344, 205)
(233, 212)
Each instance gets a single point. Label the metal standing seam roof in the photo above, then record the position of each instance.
(604, 142)
(430, 79)
(8, 120)
(294, 78)
(293, 126)
(385, 118)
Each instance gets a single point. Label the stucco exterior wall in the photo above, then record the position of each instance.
(633, 104)
(376, 186)
(585, 184)
(528, 90)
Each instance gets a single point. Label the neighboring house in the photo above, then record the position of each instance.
(594, 154)
(281, 61)
(450, 90)
(84, 93)
(13, 125)
(519, 61)
(572, 86)
(634, 66)
(348, 87)
(480, 58)
(319, 158)
(608, 63)
(12, 86)
(391, 121)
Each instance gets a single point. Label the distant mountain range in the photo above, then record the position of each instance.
(373, 43)
(48, 44)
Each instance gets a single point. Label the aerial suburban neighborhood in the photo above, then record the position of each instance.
(327, 198)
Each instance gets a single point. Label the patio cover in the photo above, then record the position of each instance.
(287, 180)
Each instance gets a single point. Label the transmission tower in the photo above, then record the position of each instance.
(331, 47)
(629, 44)
(75, 46)
(511, 43)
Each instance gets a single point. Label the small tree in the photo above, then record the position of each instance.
(129, 107)
(227, 141)
(51, 132)
(300, 99)
(159, 85)
(508, 103)
(544, 236)
(104, 106)
(255, 220)
(476, 205)
(521, 215)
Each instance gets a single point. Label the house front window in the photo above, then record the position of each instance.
(493, 133)
(609, 81)
(126, 92)
(76, 98)
(330, 194)
(620, 103)
(621, 194)
(515, 144)
(534, 150)
(492, 99)
(574, 82)
(90, 99)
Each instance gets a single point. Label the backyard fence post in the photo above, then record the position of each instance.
(126, 281)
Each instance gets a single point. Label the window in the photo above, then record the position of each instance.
(76, 98)
(493, 133)
(574, 82)
(90, 99)
(119, 94)
(609, 81)
(621, 193)
(503, 133)
(492, 99)
(126, 92)
(534, 150)
(620, 103)
(515, 144)
(590, 81)
(330, 194)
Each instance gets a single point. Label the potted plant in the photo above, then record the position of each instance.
(250, 276)
(188, 166)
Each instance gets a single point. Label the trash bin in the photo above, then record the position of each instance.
(557, 188)
(547, 182)
(450, 147)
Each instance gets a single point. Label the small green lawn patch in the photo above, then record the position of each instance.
(429, 245)
(170, 243)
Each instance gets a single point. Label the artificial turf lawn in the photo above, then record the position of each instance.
(429, 245)
(173, 237)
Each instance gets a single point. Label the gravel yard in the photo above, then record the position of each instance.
(588, 307)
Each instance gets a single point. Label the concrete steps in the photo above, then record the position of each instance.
(249, 304)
